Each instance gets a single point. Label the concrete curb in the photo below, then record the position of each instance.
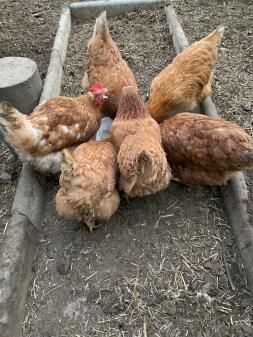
(52, 85)
(235, 193)
(20, 83)
(17, 251)
(88, 10)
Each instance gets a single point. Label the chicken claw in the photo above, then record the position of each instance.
(91, 225)
(127, 199)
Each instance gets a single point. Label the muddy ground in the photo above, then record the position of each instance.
(165, 265)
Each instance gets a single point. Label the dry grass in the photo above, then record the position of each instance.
(164, 297)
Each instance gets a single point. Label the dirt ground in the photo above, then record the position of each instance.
(165, 265)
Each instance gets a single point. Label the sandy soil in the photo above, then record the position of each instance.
(164, 265)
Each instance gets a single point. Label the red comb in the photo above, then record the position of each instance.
(125, 83)
(96, 86)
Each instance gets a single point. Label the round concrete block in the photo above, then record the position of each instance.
(20, 83)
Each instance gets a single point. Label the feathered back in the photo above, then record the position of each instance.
(130, 105)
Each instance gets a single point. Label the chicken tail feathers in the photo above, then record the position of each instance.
(133, 163)
(20, 133)
(9, 116)
(144, 161)
(101, 28)
(220, 29)
(215, 36)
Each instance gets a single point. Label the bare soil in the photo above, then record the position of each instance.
(165, 265)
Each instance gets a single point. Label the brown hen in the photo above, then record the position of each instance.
(52, 126)
(142, 162)
(106, 65)
(203, 150)
(88, 182)
(186, 81)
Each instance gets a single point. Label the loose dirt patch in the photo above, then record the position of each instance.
(164, 265)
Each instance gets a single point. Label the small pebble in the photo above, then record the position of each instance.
(64, 266)
(213, 266)
(172, 310)
(246, 302)
(5, 178)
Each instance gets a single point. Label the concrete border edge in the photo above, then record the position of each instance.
(89, 10)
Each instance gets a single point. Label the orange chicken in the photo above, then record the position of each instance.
(88, 183)
(52, 126)
(106, 65)
(203, 150)
(142, 162)
(186, 81)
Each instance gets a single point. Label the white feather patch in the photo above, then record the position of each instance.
(65, 129)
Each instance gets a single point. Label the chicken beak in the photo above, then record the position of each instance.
(105, 96)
